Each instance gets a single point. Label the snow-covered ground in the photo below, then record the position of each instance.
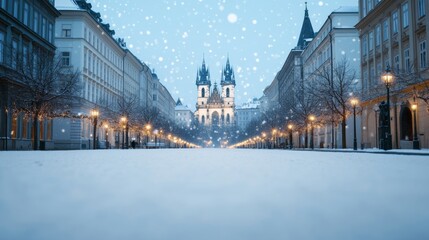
(212, 194)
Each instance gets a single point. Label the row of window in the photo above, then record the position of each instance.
(368, 5)
(32, 18)
(373, 78)
(228, 119)
(101, 70)
(395, 26)
(101, 47)
(94, 92)
(21, 128)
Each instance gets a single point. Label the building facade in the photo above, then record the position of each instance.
(247, 112)
(25, 28)
(214, 108)
(162, 99)
(183, 115)
(111, 77)
(394, 35)
(336, 43)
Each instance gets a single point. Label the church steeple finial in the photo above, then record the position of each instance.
(306, 10)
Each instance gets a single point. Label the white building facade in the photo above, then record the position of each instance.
(247, 112)
(110, 73)
(336, 41)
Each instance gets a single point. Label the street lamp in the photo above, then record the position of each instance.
(387, 78)
(376, 110)
(354, 102)
(263, 139)
(124, 122)
(94, 115)
(290, 126)
(416, 143)
(106, 134)
(312, 119)
(148, 127)
(274, 138)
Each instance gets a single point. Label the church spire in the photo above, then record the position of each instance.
(203, 75)
(228, 76)
(307, 31)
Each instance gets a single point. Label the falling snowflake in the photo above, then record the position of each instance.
(232, 18)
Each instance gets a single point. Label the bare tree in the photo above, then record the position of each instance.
(44, 86)
(128, 107)
(335, 92)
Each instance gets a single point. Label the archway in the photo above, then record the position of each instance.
(203, 120)
(215, 118)
(227, 92)
(406, 124)
(203, 92)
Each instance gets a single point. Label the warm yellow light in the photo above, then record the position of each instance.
(414, 106)
(123, 119)
(106, 126)
(387, 77)
(312, 118)
(94, 113)
(148, 126)
(290, 126)
(274, 131)
(354, 102)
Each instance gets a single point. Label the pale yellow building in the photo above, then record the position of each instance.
(393, 34)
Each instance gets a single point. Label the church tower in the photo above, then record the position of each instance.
(203, 84)
(228, 89)
(215, 108)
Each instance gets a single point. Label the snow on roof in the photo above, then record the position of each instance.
(347, 9)
(182, 108)
(66, 5)
(249, 105)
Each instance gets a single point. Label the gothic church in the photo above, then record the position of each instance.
(215, 108)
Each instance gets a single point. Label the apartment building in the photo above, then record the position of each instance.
(111, 75)
(334, 45)
(26, 27)
(393, 35)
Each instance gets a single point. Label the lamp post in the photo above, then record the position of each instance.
(263, 139)
(290, 126)
(124, 122)
(94, 115)
(312, 119)
(274, 138)
(416, 142)
(106, 135)
(376, 110)
(354, 102)
(387, 78)
(148, 127)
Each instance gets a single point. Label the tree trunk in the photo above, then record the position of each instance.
(126, 136)
(343, 132)
(306, 138)
(36, 132)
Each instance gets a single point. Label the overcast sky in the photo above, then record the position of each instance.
(172, 36)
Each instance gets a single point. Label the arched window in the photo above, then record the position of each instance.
(228, 119)
(203, 119)
(203, 92)
(227, 92)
